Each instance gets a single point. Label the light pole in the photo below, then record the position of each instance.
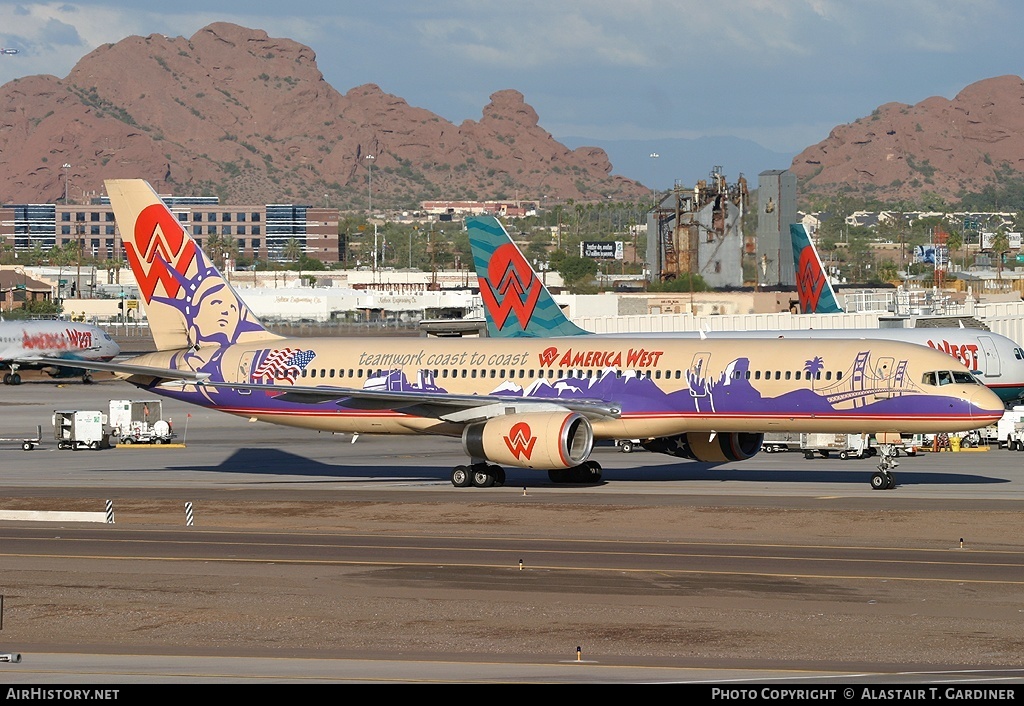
(67, 175)
(369, 184)
(654, 156)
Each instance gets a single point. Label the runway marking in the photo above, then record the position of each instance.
(534, 568)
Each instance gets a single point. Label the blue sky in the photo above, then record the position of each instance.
(780, 73)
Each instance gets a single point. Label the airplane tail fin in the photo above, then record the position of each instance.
(516, 302)
(187, 301)
(812, 286)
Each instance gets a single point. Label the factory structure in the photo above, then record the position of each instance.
(699, 230)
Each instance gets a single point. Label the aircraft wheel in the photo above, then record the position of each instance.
(891, 481)
(461, 477)
(558, 475)
(7, 379)
(87, 379)
(482, 478)
(16, 379)
(498, 474)
(879, 481)
(595, 471)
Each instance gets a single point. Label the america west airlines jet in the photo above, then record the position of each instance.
(66, 343)
(516, 303)
(527, 403)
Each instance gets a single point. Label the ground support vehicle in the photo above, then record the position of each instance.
(27, 443)
(80, 429)
(775, 442)
(842, 445)
(139, 422)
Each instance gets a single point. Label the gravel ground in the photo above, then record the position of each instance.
(276, 609)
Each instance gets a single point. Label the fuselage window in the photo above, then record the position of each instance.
(828, 374)
(757, 374)
(494, 372)
(304, 372)
(789, 374)
(359, 373)
(839, 375)
(798, 375)
(778, 375)
(465, 373)
(331, 374)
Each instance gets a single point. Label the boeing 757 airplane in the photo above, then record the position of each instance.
(70, 342)
(528, 403)
(516, 304)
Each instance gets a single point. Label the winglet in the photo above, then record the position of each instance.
(812, 286)
(516, 302)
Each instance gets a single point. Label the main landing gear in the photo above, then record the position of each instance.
(12, 379)
(478, 475)
(883, 479)
(486, 475)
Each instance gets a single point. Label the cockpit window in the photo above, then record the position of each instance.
(948, 377)
(965, 378)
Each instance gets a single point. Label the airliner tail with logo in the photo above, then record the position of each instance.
(523, 403)
(504, 274)
(813, 289)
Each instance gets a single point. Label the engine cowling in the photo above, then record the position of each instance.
(707, 447)
(544, 440)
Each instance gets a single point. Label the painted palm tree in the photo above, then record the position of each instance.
(812, 367)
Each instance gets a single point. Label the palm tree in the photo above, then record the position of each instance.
(812, 367)
(293, 251)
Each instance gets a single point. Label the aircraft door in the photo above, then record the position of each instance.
(244, 366)
(991, 356)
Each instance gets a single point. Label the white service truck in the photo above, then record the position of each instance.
(80, 429)
(139, 422)
(842, 445)
(1010, 429)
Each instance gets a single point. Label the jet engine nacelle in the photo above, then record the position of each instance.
(707, 447)
(545, 440)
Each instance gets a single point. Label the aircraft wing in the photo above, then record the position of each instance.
(440, 405)
(170, 375)
(436, 405)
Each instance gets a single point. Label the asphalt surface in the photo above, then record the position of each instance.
(658, 550)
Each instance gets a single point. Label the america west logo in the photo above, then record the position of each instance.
(517, 287)
(159, 243)
(810, 281)
(520, 440)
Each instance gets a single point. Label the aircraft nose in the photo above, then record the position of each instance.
(986, 406)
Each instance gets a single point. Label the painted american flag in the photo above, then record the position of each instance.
(280, 364)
